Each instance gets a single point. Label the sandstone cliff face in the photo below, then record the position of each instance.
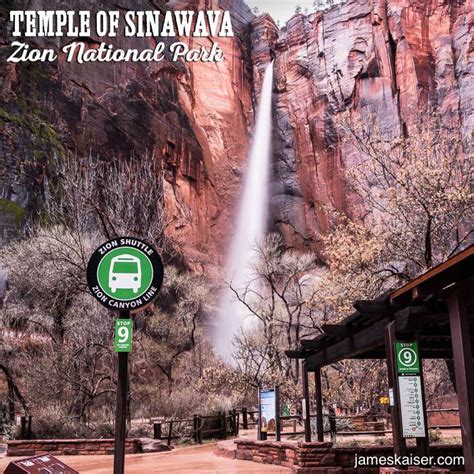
(388, 58)
(193, 117)
(385, 57)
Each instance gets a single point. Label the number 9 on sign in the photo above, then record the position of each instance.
(123, 335)
(408, 360)
(407, 357)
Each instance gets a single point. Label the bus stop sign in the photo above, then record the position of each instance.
(408, 359)
(125, 274)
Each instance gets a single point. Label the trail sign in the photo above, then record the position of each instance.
(268, 408)
(269, 412)
(123, 335)
(125, 274)
(407, 356)
(42, 464)
(410, 390)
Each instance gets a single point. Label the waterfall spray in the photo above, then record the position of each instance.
(251, 223)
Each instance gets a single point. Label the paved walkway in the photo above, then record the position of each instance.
(200, 459)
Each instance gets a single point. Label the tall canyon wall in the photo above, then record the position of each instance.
(194, 118)
(389, 58)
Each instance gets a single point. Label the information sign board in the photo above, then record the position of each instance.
(411, 407)
(43, 464)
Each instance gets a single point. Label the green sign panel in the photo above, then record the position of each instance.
(123, 335)
(125, 274)
(408, 359)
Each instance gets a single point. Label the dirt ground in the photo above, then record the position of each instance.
(200, 459)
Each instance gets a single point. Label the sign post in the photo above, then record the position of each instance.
(399, 442)
(121, 406)
(125, 275)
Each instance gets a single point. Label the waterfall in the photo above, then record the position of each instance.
(251, 223)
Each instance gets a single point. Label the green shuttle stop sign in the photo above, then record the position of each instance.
(408, 359)
(125, 274)
(123, 335)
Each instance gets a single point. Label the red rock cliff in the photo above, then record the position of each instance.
(387, 58)
(384, 57)
(193, 117)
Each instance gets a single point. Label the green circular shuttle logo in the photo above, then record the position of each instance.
(125, 273)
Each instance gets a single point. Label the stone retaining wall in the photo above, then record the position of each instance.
(307, 458)
(60, 447)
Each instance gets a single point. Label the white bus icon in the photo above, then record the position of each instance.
(125, 273)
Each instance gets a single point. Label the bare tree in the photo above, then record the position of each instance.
(415, 198)
(355, 385)
(122, 197)
(57, 344)
(175, 326)
(280, 309)
(413, 191)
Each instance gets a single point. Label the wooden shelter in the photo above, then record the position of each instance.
(436, 310)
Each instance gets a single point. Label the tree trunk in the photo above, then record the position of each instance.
(452, 376)
(428, 247)
(13, 391)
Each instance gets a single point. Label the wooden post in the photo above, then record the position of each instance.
(224, 425)
(170, 432)
(259, 420)
(157, 430)
(28, 429)
(195, 428)
(23, 427)
(235, 422)
(464, 372)
(307, 419)
(319, 404)
(245, 421)
(332, 425)
(277, 414)
(121, 408)
(399, 443)
(423, 444)
(231, 421)
(199, 429)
